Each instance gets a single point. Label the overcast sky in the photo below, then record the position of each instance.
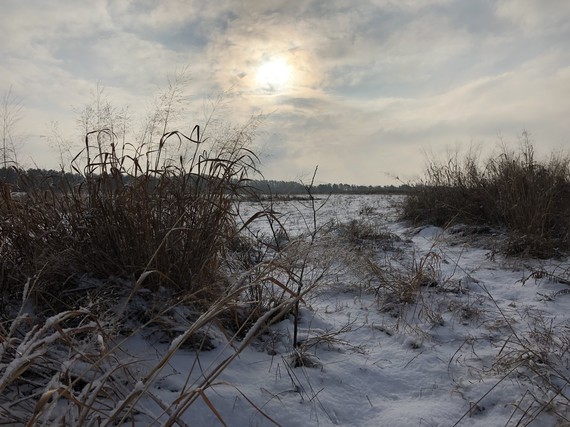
(361, 88)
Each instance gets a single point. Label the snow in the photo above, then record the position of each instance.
(438, 362)
(478, 345)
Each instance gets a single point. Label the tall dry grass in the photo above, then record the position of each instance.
(529, 198)
(135, 211)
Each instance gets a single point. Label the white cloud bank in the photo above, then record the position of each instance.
(374, 83)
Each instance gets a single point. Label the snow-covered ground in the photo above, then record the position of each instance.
(401, 326)
(473, 343)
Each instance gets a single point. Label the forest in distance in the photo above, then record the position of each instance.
(16, 178)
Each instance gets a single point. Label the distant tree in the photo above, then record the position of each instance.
(64, 146)
(10, 115)
(107, 124)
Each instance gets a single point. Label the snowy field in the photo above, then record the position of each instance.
(404, 327)
(399, 326)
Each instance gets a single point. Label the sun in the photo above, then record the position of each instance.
(273, 75)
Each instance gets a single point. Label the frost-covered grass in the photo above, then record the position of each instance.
(346, 317)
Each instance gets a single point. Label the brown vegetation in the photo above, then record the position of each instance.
(129, 216)
(530, 199)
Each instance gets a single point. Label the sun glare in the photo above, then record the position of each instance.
(273, 75)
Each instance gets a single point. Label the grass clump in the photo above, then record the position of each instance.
(528, 198)
(134, 213)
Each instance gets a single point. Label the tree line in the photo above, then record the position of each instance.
(293, 187)
(19, 181)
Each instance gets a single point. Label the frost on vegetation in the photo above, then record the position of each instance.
(54, 372)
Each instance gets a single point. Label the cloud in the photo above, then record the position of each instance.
(535, 15)
(373, 82)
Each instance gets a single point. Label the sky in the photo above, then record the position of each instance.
(362, 89)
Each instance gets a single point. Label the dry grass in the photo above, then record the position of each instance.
(170, 219)
(536, 356)
(514, 191)
(72, 369)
